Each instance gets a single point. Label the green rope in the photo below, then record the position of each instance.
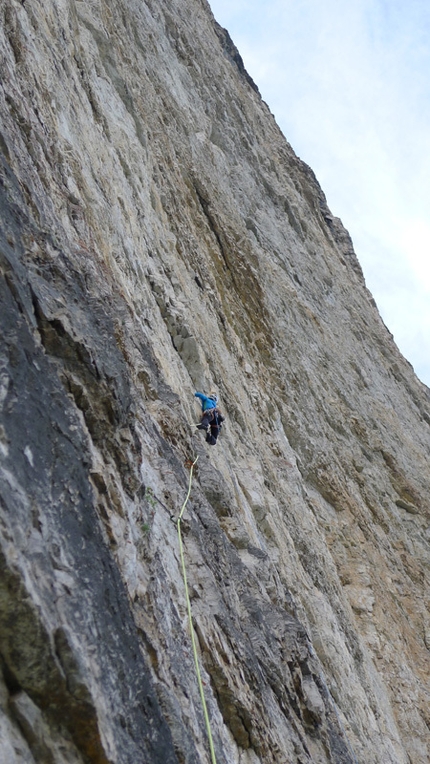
(190, 620)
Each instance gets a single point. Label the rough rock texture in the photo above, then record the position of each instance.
(159, 235)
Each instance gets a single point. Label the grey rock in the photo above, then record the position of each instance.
(157, 235)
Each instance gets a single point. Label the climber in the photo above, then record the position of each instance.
(212, 418)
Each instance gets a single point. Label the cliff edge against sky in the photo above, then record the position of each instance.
(158, 235)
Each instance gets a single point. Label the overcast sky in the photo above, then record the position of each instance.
(349, 84)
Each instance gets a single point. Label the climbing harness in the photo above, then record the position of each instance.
(190, 618)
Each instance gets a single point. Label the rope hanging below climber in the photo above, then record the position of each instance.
(190, 619)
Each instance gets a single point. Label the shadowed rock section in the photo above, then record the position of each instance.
(158, 235)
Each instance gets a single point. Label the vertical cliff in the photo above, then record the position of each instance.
(158, 235)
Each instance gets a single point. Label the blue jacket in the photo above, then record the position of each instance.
(207, 403)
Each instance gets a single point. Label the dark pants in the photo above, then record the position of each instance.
(209, 418)
(212, 436)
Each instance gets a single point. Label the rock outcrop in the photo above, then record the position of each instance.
(158, 236)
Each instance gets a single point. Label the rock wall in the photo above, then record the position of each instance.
(158, 236)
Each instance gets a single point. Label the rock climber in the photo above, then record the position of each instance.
(212, 418)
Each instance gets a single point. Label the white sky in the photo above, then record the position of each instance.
(349, 84)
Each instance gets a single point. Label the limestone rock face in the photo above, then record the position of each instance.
(158, 235)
